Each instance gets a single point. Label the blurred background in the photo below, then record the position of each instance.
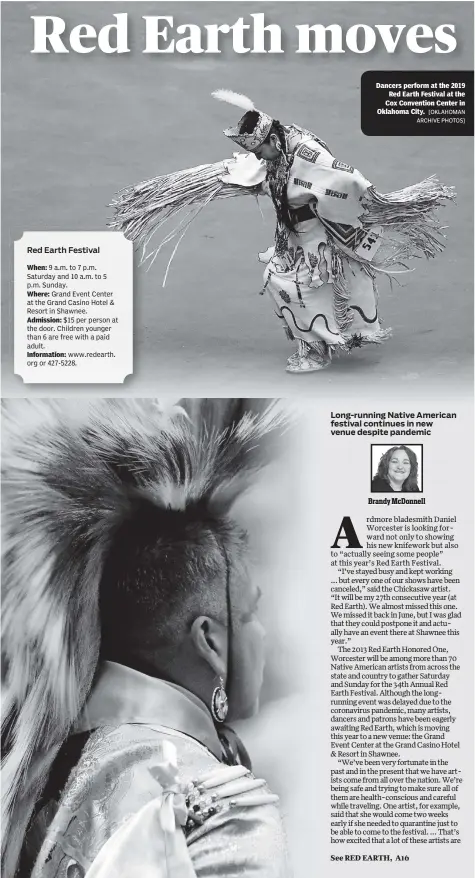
(287, 740)
(77, 128)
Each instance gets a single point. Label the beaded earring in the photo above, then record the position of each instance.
(219, 703)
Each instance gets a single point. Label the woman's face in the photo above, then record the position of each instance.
(399, 466)
(268, 151)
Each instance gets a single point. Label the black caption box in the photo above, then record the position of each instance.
(403, 103)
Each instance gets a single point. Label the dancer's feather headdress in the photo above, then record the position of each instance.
(255, 138)
(72, 473)
(404, 221)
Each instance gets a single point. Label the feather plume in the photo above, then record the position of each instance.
(233, 97)
(72, 473)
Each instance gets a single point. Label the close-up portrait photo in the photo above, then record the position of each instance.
(396, 468)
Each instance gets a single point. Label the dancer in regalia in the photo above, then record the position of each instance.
(334, 233)
(130, 637)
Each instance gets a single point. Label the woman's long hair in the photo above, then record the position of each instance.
(278, 170)
(410, 484)
(277, 175)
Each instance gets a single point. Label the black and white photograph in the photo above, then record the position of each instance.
(273, 239)
(396, 468)
(145, 549)
(237, 441)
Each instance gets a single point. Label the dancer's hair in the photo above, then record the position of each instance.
(277, 175)
(409, 484)
(165, 568)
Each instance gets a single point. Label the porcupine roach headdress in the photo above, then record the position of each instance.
(71, 476)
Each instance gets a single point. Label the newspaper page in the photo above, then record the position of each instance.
(237, 631)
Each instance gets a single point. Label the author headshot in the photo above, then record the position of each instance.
(398, 470)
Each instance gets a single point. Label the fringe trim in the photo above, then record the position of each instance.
(309, 356)
(321, 350)
(407, 216)
(141, 210)
(341, 291)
